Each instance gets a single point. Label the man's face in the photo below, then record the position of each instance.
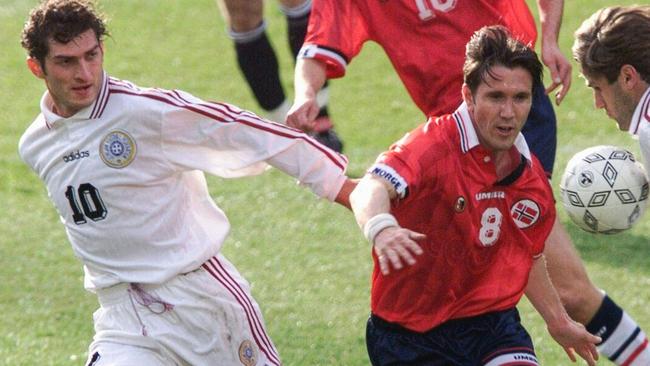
(72, 72)
(618, 104)
(500, 105)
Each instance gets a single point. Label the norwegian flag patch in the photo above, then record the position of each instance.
(524, 213)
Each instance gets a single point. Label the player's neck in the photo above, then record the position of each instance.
(505, 162)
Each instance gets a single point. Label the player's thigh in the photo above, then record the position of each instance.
(242, 15)
(563, 261)
(116, 354)
(581, 298)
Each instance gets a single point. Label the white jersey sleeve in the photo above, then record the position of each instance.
(126, 176)
(640, 126)
(229, 142)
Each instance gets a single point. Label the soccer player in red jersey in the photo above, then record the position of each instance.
(258, 61)
(462, 201)
(424, 40)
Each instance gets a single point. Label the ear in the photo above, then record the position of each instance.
(467, 96)
(35, 67)
(628, 77)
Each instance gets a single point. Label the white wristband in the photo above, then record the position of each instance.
(376, 224)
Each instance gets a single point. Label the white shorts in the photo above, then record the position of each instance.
(205, 317)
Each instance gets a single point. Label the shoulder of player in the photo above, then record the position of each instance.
(128, 90)
(160, 100)
(37, 128)
(432, 138)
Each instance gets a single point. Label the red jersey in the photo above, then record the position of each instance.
(482, 234)
(424, 39)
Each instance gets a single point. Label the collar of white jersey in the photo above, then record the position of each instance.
(641, 112)
(93, 111)
(469, 138)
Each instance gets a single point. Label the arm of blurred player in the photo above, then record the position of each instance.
(393, 245)
(309, 78)
(343, 198)
(572, 336)
(550, 15)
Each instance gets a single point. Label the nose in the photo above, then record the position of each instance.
(83, 70)
(507, 109)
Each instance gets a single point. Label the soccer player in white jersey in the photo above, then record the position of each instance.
(613, 50)
(124, 166)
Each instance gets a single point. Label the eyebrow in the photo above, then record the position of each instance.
(63, 57)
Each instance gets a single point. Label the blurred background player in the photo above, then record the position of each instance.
(471, 257)
(258, 62)
(124, 167)
(429, 64)
(612, 48)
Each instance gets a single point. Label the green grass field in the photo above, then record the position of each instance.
(306, 259)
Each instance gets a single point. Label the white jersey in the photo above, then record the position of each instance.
(126, 176)
(640, 126)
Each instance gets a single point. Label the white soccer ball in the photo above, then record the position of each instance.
(604, 189)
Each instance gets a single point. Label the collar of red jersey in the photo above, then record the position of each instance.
(469, 138)
(90, 112)
(642, 111)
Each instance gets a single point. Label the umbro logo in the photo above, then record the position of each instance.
(76, 155)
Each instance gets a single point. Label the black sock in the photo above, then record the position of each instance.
(259, 65)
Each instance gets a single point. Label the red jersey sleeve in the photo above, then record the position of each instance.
(335, 34)
(412, 160)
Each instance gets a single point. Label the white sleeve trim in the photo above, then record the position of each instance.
(391, 176)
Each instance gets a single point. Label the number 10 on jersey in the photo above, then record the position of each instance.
(426, 7)
(92, 206)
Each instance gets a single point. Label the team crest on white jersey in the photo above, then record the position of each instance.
(247, 353)
(524, 213)
(117, 149)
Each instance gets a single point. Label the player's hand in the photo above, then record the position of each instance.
(574, 338)
(560, 69)
(303, 114)
(395, 246)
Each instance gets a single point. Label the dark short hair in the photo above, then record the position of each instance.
(613, 37)
(62, 21)
(494, 46)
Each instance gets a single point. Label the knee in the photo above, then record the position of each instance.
(243, 16)
(581, 299)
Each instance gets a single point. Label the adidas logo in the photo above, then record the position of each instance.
(76, 155)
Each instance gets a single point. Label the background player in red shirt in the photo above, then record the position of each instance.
(258, 61)
(424, 41)
(463, 194)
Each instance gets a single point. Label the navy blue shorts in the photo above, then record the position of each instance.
(492, 339)
(540, 129)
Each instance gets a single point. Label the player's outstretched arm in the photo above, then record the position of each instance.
(343, 198)
(572, 336)
(393, 245)
(309, 78)
(550, 12)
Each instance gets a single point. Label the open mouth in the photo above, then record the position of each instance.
(505, 130)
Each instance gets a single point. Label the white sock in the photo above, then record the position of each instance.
(279, 114)
(627, 345)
